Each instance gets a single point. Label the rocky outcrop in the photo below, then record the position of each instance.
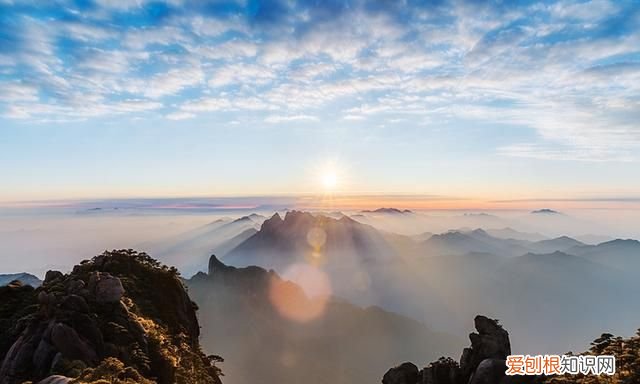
(481, 363)
(121, 314)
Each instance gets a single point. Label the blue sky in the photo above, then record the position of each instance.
(510, 100)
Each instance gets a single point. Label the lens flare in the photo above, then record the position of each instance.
(316, 238)
(301, 305)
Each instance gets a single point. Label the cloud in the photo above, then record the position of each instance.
(241, 74)
(180, 116)
(275, 119)
(568, 71)
(18, 92)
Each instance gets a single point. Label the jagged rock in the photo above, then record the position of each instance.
(51, 276)
(107, 288)
(405, 373)
(216, 265)
(490, 342)
(55, 379)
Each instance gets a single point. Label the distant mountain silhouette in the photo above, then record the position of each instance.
(24, 278)
(393, 211)
(545, 211)
(344, 344)
(620, 253)
(563, 296)
(561, 243)
(478, 240)
(510, 233)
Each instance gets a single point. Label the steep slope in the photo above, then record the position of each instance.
(339, 345)
(120, 317)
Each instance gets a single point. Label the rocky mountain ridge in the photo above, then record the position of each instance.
(120, 317)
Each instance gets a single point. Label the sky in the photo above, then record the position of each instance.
(486, 101)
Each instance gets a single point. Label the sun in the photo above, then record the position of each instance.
(329, 180)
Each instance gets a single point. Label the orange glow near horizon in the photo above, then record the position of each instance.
(330, 200)
(416, 202)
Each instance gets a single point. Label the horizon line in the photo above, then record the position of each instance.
(346, 201)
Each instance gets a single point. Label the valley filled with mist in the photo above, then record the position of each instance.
(336, 294)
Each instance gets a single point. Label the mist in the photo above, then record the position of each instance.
(433, 267)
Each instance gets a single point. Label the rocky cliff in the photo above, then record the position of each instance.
(119, 318)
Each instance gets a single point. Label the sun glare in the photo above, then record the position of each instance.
(329, 180)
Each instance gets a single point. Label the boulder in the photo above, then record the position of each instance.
(51, 276)
(107, 288)
(405, 373)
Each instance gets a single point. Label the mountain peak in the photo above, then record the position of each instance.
(250, 218)
(272, 222)
(215, 265)
(480, 232)
(545, 211)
